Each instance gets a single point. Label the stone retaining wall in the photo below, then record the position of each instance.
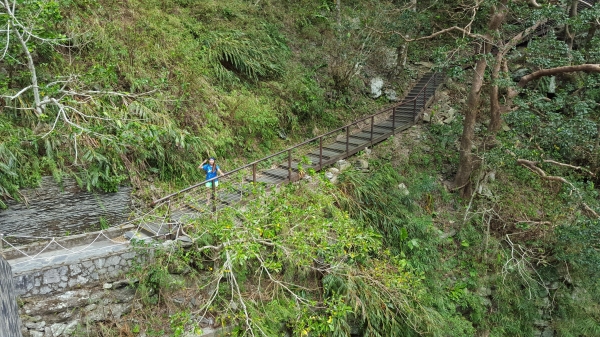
(60, 209)
(74, 312)
(9, 313)
(59, 278)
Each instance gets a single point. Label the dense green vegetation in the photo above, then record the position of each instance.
(147, 88)
(135, 91)
(369, 258)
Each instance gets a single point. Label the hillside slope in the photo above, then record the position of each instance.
(135, 89)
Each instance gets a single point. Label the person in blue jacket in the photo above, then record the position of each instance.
(212, 171)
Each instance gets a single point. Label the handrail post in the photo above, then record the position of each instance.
(393, 121)
(372, 123)
(290, 165)
(254, 173)
(347, 139)
(214, 195)
(320, 152)
(415, 106)
(170, 223)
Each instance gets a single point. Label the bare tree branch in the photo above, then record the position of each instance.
(589, 209)
(531, 165)
(590, 68)
(443, 31)
(570, 166)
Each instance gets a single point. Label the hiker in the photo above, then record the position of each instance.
(212, 171)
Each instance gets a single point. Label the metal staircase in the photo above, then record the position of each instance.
(291, 164)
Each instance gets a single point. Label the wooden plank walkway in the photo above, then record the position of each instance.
(192, 202)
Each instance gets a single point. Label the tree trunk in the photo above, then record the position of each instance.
(596, 153)
(495, 120)
(465, 166)
(570, 35)
(401, 52)
(338, 10)
(495, 108)
(590, 35)
(30, 64)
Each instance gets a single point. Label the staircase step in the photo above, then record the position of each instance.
(382, 130)
(405, 110)
(266, 179)
(339, 146)
(229, 198)
(366, 135)
(397, 124)
(327, 154)
(381, 127)
(276, 172)
(295, 165)
(402, 115)
(351, 142)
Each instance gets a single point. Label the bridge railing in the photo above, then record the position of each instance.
(297, 153)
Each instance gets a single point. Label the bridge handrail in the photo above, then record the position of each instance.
(413, 100)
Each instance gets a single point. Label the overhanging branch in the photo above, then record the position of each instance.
(588, 68)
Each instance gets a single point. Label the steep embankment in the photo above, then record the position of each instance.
(145, 89)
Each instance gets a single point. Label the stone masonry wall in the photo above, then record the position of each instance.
(9, 313)
(59, 278)
(55, 210)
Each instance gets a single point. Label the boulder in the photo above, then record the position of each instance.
(184, 241)
(403, 189)
(362, 164)
(425, 64)
(342, 165)
(516, 76)
(391, 95)
(376, 86)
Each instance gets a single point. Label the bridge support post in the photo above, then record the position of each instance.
(415, 107)
(372, 123)
(320, 152)
(290, 165)
(393, 122)
(214, 196)
(347, 139)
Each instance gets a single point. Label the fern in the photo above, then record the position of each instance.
(253, 57)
